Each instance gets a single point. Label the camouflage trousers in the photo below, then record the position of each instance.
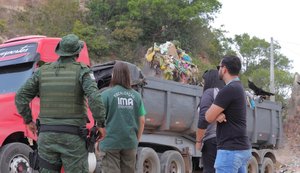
(118, 161)
(66, 149)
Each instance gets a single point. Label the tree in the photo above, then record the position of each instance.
(95, 38)
(253, 50)
(255, 54)
(138, 24)
(164, 20)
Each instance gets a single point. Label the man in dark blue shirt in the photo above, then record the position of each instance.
(229, 109)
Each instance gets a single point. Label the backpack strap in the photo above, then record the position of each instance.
(216, 91)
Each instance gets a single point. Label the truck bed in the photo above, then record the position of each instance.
(172, 109)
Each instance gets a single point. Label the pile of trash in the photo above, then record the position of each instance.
(172, 63)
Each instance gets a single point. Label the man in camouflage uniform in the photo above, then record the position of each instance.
(62, 87)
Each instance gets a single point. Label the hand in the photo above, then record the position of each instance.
(198, 145)
(102, 134)
(221, 118)
(32, 127)
(97, 149)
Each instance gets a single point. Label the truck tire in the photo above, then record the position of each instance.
(267, 166)
(172, 162)
(147, 161)
(252, 165)
(14, 158)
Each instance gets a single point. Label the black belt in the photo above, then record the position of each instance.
(75, 130)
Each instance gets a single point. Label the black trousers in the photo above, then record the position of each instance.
(209, 153)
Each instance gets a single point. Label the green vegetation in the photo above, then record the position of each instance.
(255, 54)
(2, 26)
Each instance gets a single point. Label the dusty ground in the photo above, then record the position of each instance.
(288, 159)
(289, 156)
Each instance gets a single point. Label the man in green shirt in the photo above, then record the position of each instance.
(63, 87)
(125, 119)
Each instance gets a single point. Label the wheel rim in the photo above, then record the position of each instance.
(250, 169)
(252, 166)
(19, 165)
(147, 166)
(268, 168)
(174, 167)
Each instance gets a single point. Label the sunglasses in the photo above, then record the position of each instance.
(219, 66)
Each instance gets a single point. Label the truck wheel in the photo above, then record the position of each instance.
(252, 165)
(147, 161)
(172, 162)
(267, 166)
(14, 158)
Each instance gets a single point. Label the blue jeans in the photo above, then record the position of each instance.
(232, 161)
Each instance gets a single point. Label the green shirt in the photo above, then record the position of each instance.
(123, 110)
(31, 89)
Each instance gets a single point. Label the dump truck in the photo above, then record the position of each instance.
(168, 141)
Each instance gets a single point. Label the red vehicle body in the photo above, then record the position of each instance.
(19, 58)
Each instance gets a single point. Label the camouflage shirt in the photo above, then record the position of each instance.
(31, 89)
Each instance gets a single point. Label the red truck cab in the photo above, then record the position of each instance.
(19, 58)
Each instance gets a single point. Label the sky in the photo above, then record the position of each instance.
(264, 19)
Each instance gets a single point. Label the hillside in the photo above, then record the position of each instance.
(7, 10)
(289, 155)
(14, 4)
